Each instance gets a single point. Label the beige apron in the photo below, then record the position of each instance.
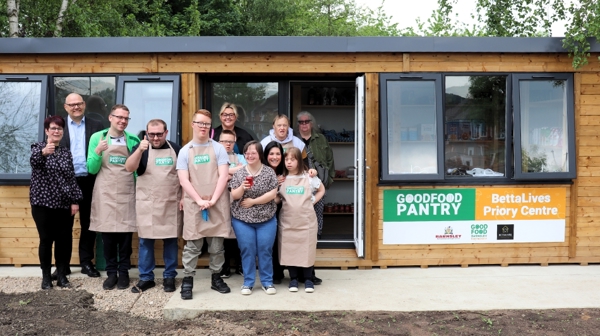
(157, 196)
(298, 226)
(285, 147)
(204, 174)
(233, 160)
(113, 205)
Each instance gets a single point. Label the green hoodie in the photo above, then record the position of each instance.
(94, 161)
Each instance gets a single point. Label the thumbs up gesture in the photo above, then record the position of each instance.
(102, 145)
(49, 149)
(144, 144)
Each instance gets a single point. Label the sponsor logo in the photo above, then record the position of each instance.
(167, 161)
(294, 190)
(112, 159)
(506, 232)
(479, 231)
(200, 159)
(448, 234)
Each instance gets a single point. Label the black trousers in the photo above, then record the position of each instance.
(117, 251)
(303, 272)
(232, 252)
(54, 226)
(87, 238)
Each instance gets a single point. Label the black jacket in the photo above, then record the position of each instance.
(91, 126)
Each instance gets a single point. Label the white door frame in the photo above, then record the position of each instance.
(359, 166)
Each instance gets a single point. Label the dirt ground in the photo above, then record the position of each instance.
(69, 312)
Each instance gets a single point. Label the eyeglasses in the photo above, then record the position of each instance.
(304, 122)
(80, 104)
(229, 142)
(56, 129)
(155, 135)
(201, 124)
(121, 118)
(251, 153)
(228, 115)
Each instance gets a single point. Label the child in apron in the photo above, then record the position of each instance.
(298, 221)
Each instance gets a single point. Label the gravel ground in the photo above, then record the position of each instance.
(148, 304)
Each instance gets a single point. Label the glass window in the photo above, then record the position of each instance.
(545, 132)
(97, 92)
(257, 105)
(22, 109)
(412, 106)
(494, 127)
(475, 126)
(151, 98)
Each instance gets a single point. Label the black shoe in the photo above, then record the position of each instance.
(46, 279)
(277, 281)
(55, 273)
(123, 282)
(186, 288)
(218, 284)
(61, 277)
(90, 270)
(316, 281)
(239, 270)
(142, 286)
(110, 282)
(225, 272)
(169, 284)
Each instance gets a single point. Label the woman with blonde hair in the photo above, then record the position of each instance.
(229, 115)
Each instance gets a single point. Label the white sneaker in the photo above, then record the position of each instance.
(246, 290)
(270, 289)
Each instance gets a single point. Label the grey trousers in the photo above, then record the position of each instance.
(193, 249)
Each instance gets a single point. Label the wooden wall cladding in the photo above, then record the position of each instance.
(18, 235)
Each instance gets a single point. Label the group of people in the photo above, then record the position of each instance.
(205, 191)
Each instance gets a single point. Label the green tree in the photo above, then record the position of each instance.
(583, 17)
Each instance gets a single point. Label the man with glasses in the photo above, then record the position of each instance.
(113, 206)
(203, 170)
(157, 204)
(76, 138)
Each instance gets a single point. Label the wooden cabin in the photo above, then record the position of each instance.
(448, 151)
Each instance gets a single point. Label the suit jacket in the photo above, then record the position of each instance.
(91, 126)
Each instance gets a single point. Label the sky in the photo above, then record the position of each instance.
(423, 9)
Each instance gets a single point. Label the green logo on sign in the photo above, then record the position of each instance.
(428, 205)
(199, 159)
(117, 159)
(294, 190)
(168, 161)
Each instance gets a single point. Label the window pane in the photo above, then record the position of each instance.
(475, 117)
(19, 124)
(97, 92)
(257, 105)
(411, 113)
(544, 133)
(146, 101)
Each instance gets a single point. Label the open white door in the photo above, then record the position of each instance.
(359, 173)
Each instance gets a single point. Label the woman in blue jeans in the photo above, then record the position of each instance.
(253, 190)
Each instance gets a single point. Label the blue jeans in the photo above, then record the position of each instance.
(146, 262)
(256, 239)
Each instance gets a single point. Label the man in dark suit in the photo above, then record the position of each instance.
(76, 138)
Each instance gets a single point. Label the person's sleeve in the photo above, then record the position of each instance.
(76, 194)
(37, 160)
(182, 160)
(273, 183)
(94, 161)
(221, 153)
(315, 182)
(176, 147)
(329, 160)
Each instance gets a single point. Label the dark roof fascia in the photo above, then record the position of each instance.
(280, 44)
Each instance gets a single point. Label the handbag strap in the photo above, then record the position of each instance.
(311, 158)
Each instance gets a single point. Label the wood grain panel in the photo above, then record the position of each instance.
(371, 160)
